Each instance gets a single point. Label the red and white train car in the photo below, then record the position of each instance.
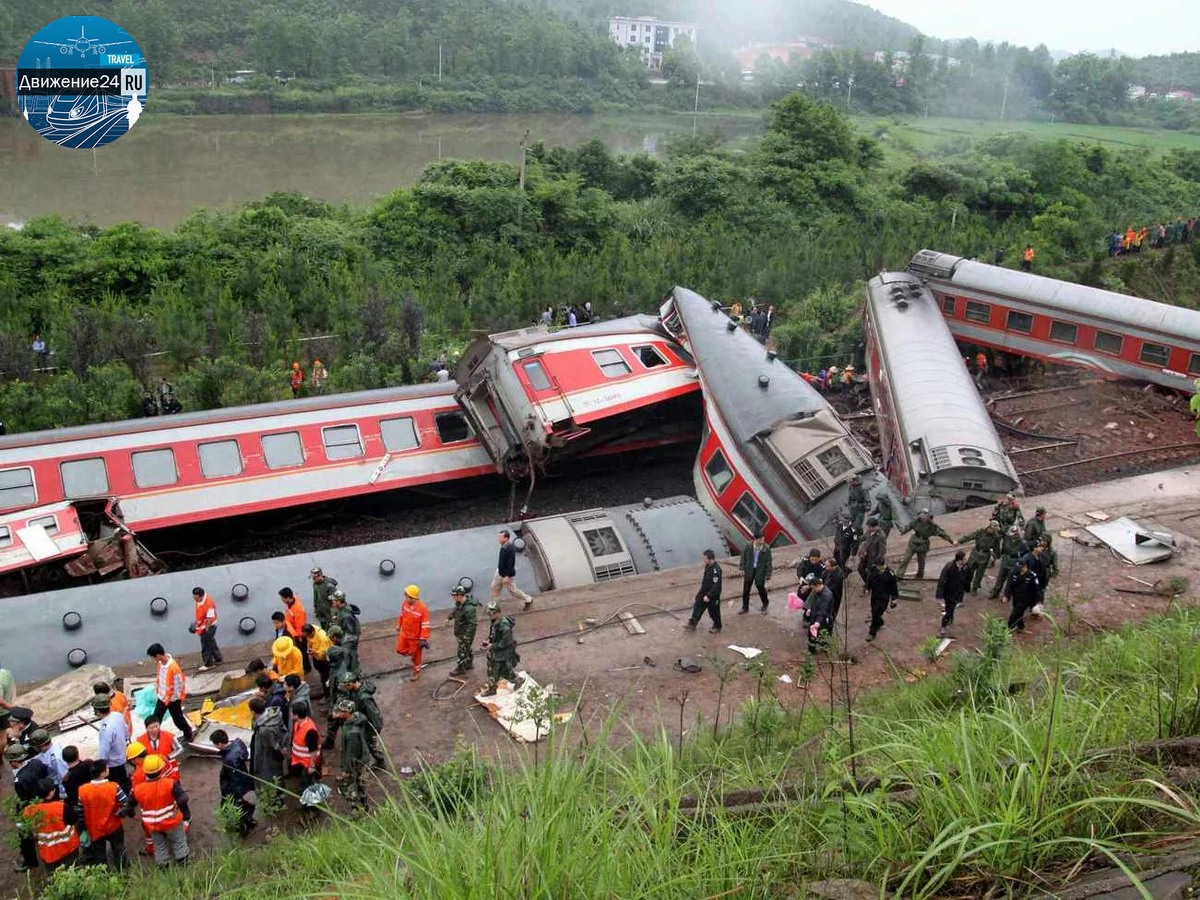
(193, 467)
(1059, 322)
(535, 394)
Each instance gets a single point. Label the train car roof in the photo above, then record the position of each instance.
(540, 334)
(227, 414)
(1137, 312)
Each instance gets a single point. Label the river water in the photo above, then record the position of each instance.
(169, 165)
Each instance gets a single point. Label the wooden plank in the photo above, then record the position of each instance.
(632, 625)
(59, 698)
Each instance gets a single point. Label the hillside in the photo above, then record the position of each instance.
(1178, 71)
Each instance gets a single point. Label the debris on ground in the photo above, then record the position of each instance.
(62, 696)
(1134, 543)
(748, 652)
(517, 709)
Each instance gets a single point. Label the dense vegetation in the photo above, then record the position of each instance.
(226, 301)
(1002, 772)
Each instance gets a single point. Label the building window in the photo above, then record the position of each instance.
(611, 363)
(1063, 332)
(979, 312)
(1107, 342)
(154, 468)
(718, 472)
(220, 459)
(1194, 364)
(649, 356)
(283, 450)
(16, 488)
(948, 306)
(1155, 354)
(47, 522)
(603, 542)
(398, 434)
(451, 427)
(536, 373)
(750, 514)
(84, 477)
(342, 442)
(1019, 321)
(5, 536)
(834, 461)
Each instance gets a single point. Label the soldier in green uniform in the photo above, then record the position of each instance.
(340, 661)
(986, 550)
(884, 512)
(1008, 513)
(1049, 559)
(355, 753)
(323, 588)
(858, 501)
(501, 647)
(362, 694)
(922, 530)
(464, 617)
(1036, 527)
(1011, 549)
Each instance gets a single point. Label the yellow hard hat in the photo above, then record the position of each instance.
(413, 592)
(134, 750)
(282, 646)
(153, 765)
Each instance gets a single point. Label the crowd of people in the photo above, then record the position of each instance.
(1156, 236)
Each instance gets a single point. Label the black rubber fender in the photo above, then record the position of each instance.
(247, 625)
(239, 592)
(387, 567)
(72, 621)
(158, 606)
(76, 657)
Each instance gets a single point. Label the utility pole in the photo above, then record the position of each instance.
(696, 108)
(521, 177)
(440, 64)
(1004, 102)
(849, 92)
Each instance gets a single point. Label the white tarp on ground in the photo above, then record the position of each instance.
(511, 707)
(1134, 543)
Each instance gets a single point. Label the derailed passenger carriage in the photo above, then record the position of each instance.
(1116, 335)
(774, 456)
(534, 394)
(940, 449)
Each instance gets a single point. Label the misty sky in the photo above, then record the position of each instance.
(1076, 25)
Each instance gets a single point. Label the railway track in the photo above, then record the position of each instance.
(1187, 449)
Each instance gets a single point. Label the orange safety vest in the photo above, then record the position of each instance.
(120, 703)
(139, 774)
(301, 755)
(413, 621)
(163, 747)
(55, 839)
(99, 802)
(1028, 254)
(169, 683)
(203, 618)
(156, 797)
(294, 618)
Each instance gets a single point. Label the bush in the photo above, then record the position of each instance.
(90, 883)
(452, 788)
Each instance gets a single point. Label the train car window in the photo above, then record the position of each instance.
(83, 477)
(47, 522)
(611, 363)
(1155, 354)
(1194, 364)
(220, 459)
(398, 434)
(536, 373)
(154, 468)
(979, 312)
(1107, 342)
(1019, 321)
(342, 442)
(603, 542)
(749, 513)
(948, 305)
(782, 540)
(649, 356)
(1063, 332)
(5, 536)
(834, 461)
(452, 427)
(16, 487)
(283, 450)
(718, 472)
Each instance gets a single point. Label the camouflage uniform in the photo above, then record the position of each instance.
(323, 601)
(923, 528)
(1011, 549)
(857, 498)
(885, 513)
(502, 655)
(1008, 514)
(986, 549)
(363, 698)
(1035, 529)
(464, 616)
(355, 756)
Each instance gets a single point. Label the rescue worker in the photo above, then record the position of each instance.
(268, 740)
(834, 580)
(464, 615)
(136, 758)
(1023, 591)
(28, 774)
(412, 629)
(43, 751)
(165, 812)
(205, 627)
(872, 552)
(171, 689)
(161, 744)
(235, 781)
(818, 613)
(845, 541)
(707, 598)
(355, 755)
(120, 703)
(296, 379)
(57, 842)
(22, 725)
(99, 808)
(884, 588)
(506, 570)
(278, 624)
(810, 565)
(922, 530)
(1035, 528)
(343, 615)
(294, 618)
(286, 659)
(296, 688)
(318, 650)
(114, 740)
(1011, 549)
(1027, 258)
(1008, 513)
(985, 550)
(1049, 560)
(305, 759)
(951, 586)
(362, 695)
(323, 588)
(79, 773)
(857, 498)
(1037, 563)
(501, 647)
(885, 512)
(756, 570)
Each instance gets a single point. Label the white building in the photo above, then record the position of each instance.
(651, 36)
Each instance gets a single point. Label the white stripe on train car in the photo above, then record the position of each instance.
(628, 390)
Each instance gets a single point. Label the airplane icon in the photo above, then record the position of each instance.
(83, 43)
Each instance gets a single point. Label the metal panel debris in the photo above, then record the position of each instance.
(1134, 543)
